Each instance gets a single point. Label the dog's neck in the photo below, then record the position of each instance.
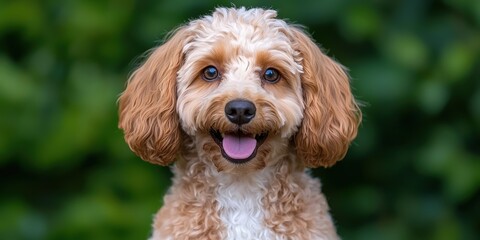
(276, 201)
(240, 198)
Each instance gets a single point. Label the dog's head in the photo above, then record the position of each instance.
(247, 88)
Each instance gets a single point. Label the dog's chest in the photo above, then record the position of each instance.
(241, 210)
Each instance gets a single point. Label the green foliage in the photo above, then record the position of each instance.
(412, 173)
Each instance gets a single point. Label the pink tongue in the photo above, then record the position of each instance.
(239, 147)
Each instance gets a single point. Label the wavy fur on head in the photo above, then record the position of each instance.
(300, 111)
(331, 114)
(148, 113)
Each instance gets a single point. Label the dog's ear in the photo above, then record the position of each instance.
(331, 115)
(147, 107)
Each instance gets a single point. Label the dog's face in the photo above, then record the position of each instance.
(239, 90)
(247, 88)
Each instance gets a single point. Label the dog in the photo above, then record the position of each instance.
(244, 104)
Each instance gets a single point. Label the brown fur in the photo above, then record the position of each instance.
(148, 105)
(331, 114)
(296, 209)
(194, 215)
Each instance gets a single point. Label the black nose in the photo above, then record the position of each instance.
(240, 111)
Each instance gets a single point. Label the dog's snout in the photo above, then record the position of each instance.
(240, 111)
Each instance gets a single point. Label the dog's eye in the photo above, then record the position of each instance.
(271, 75)
(210, 73)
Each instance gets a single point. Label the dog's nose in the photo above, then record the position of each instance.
(240, 111)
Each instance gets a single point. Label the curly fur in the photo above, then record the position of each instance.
(168, 111)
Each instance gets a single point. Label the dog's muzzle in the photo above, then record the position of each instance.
(239, 147)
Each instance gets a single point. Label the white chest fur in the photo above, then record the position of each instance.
(240, 206)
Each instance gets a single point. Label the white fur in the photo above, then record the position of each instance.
(240, 205)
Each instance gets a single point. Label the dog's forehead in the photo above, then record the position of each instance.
(248, 30)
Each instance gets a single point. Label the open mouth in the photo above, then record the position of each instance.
(238, 147)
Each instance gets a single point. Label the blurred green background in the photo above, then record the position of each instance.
(412, 173)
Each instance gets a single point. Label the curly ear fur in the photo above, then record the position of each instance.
(147, 107)
(331, 115)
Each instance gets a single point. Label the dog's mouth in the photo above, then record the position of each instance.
(238, 147)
